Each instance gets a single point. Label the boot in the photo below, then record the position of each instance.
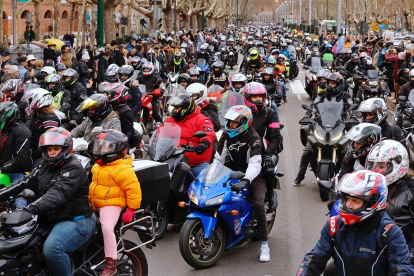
(298, 179)
(284, 99)
(110, 267)
(271, 200)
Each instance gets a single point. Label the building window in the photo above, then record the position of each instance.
(76, 15)
(24, 14)
(4, 16)
(65, 14)
(48, 14)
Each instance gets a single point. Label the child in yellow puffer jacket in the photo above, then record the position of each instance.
(114, 186)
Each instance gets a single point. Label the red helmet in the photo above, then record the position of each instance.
(208, 39)
(57, 136)
(363, 55)
(117, 92)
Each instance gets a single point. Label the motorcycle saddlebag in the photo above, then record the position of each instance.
(154, 179)
(304, 133)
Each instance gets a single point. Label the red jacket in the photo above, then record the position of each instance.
(190, 125)
(393, 60)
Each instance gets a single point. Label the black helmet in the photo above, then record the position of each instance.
(218, 64)
(194, 72)
(97, 102)
(186, 102)
(366, 134)
(60, 67)
(324, 73)
(268, 71)
(73, 75)
(9, 113)
(354, 58)
(184, 77)
(57, 136)
(129, 71)
(334, 91)
(110, 145)
(54, 84)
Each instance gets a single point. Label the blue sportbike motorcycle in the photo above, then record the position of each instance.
(220, 219)
(204, 70)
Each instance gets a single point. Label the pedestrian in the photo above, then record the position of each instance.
(49, 52)
(22, 63)
(6, 76)
(83, 68)
(103, 65)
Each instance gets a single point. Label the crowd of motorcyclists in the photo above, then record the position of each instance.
(102, 95)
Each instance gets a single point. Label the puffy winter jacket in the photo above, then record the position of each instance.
(115, 184)
(190, 125)
(15, 153)
(62, 193)
(356, 249)
(84, 130)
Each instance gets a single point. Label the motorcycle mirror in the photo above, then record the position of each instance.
(28, 194)
(305, 67)
(402, 98)
(306, 107)
(236, 175)
(325, 184)
(200, 134)
(146, 147)
(353, 106)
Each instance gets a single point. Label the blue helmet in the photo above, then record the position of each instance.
(240, 114)
(329, 46)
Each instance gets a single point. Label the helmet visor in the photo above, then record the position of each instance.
(384, 168)
(102, 147)
(88, 103)
(51, 138)
(361, 186)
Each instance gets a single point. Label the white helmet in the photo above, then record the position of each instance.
(374, 105)
(389, 158)
(199, 90)
(36, 99)
(238, 78)
(47, 70)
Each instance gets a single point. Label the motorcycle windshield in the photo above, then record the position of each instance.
(261, 51)
(372, 74)
(143, 90)
(315, 65)
(329, 113)
(229, 99)
(174, 89)
(214, 173)
(411, 97)
(164, 140)
(201, 62)
(214, 88)
(328, 63)
(211, 48)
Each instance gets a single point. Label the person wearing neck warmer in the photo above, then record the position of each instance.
(406, 88)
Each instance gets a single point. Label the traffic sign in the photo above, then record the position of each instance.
(362, 28)
(381, 26)
(386, 25)
(345, 27)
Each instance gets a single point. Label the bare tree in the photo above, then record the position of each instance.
(56, 19)
(1, 22)
(72, 15)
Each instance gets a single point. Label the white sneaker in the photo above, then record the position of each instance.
(264, 253)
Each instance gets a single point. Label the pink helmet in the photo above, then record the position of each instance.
(255, 88)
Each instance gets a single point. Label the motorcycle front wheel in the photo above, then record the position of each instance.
(324, 175)
(197, 251)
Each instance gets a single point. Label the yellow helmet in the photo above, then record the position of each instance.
(254, 54)
(51, 43)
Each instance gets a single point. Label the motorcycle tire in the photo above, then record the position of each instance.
(137, 264)
(231, 67)
(314, 92)
(160, 223)
(324, 175)
(192, 233)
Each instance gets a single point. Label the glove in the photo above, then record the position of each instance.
(128, 215)
(201, 148)
(238, 187)
(267, 162)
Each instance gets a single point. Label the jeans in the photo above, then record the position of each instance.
(15, 176)
(274, 106)
(66, 237)
(83, 82)
(283, 86)
(198, 168)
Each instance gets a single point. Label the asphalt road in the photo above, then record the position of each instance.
(300, 215)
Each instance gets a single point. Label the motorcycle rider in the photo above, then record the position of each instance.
(266, 123)
(240, 149)
(313, 55)
(406, 88)
(184, 79)
(238, 82)
(375, 111)
(194, 75)
(350, 66)
(188, 116)
(177, 64)
(15, 153)
(390, 159)
(136, 64)
(285, 51)
(219, 76)
(100, 113)
(362, 71)
(152, 83)
(13, 89)
(321, 78)
(44, 73)
(270, 85)
(62, 187)
(255, 62)
(328, 55)
(333, 92)
(362, 223)
(77, 91)
(126, 76)
(112, 73)
(60, 68)
(203, 53)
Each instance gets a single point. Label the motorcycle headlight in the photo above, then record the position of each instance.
(318, 136)
(374, 83)
(337, 137)
(193, 198)
(215, 200)
(381, 82)
(314, 77)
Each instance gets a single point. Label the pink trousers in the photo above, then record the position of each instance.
(108, 216)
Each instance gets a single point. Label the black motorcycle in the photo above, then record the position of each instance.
(232, 59)
(372, 84)
(164, 147)
(324, 134)
(403, 105)
(23, 236)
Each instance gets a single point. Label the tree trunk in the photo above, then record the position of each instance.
(93, 24)
(187, 19)
(199, 25)
(81, 17)
(1, 22)
(194, 21)
(72, 14)
(84, 27)
(36, 4)
(130, 20)
(406, 22)
(109, 23)
(56, 23)
(168, 22)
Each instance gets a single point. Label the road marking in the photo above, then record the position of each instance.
(299, 97)
(297, 87)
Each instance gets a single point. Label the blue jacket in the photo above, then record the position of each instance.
(22, 71)
(286, 53)
(356, 251)
(381, 56)
(341, 45)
